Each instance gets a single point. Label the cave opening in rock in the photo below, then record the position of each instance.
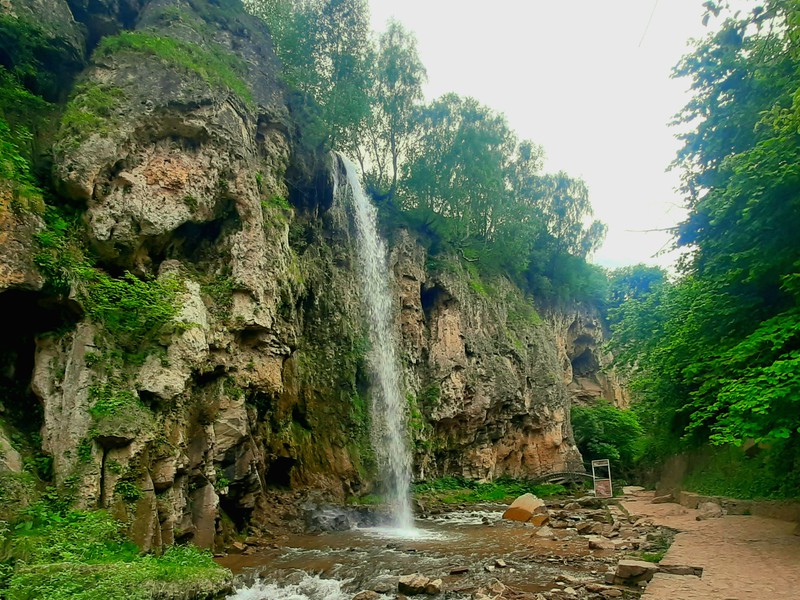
(585, 363)
(432, 298)
(26, 315)
(279, 473)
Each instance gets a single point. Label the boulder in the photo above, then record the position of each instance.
(524, 507)
(413, 584)
(545, 532)
(367, 595)
(708, 510)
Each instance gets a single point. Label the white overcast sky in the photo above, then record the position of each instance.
(586, 79)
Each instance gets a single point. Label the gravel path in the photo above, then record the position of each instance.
(743, 557)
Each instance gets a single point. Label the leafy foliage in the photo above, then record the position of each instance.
(325, 49)
(61, 555)
(715, 354)
(456, 490)
(604, 431)
(451, 170)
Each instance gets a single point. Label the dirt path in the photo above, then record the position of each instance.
(743, 557)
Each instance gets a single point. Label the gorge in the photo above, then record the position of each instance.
(183, 288)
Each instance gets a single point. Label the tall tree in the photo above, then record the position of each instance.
(397, 95)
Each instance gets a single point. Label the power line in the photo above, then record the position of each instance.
(649, 20)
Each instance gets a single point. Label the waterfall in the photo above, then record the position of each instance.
(388, 403)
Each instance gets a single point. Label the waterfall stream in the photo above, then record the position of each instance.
(388, 404)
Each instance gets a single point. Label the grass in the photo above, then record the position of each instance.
(212, 63)
(457, 490)
(63, 555)
(91, 110)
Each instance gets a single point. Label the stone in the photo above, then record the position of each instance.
(589, 528)
(497, 587)
(539, 520)
(524, 507)
(600, 543)
(367, 595)
(412, 584)
(500, 563)
(570, 591)
(634, 571)
(630, 490)
(236, 548)
(611, 593)
(545, 532)
(797, 529)
(708, 510)
(433, 587)
(572, 506)
(459, 570)
(663, 499)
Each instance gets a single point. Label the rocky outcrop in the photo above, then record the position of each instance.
(257, 386)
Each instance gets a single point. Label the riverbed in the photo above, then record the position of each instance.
(468, 549)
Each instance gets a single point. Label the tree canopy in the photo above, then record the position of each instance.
(717, 353)
(451, 169)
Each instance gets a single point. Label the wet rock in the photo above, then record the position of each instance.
(433, 587)
(236, 548)
(663, 499)
(367, 595)
(412, 584)
(328, 518)
(709, 510)
(524, 507)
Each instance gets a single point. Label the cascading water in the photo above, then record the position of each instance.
(389, 432)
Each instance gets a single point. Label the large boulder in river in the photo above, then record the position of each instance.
(524, 507)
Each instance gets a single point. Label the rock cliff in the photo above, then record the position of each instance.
(177, 148)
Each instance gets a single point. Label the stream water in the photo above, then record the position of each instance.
(388, 405)
(336, 566)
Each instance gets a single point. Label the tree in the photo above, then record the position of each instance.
(397, 94)
(326, 52)
(717, 353)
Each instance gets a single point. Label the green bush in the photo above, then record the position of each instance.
(458, 490)
(62, 555)
(603, 431)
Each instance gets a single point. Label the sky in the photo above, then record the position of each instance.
(588, 80)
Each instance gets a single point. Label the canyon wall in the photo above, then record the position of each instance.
(197, 184)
